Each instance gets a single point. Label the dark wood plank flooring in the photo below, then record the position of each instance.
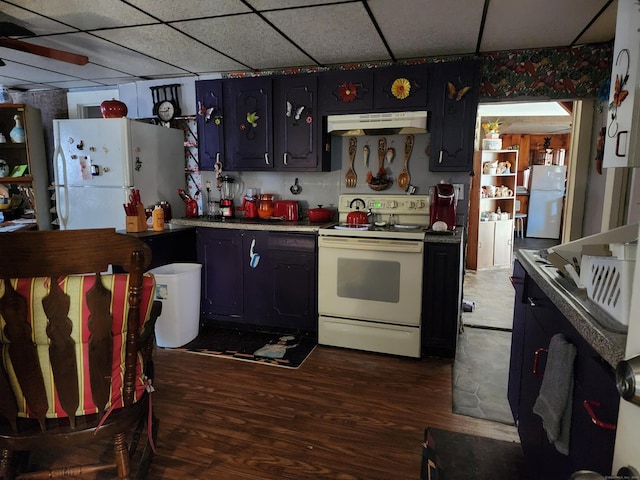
(342, 415)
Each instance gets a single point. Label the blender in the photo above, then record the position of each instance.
(228, 189)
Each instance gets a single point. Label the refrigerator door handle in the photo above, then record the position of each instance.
(62, 206)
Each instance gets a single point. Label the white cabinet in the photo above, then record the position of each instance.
(622, 142)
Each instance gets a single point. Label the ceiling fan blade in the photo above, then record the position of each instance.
(44, 51)
(10, 29)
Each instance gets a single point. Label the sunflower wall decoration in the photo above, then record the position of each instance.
(400, 88)
(347, 92)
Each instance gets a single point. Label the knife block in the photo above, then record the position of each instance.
(137, 223)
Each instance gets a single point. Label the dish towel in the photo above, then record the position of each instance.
(553, 404)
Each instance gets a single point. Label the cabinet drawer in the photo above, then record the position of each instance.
(292, 242)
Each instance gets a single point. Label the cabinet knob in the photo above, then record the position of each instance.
(284, 158)
(266, 158)
(532, 302)
(536, 359)
(440, 157)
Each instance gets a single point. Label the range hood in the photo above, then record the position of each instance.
(401, 123)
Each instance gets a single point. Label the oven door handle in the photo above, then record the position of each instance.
(345, 243)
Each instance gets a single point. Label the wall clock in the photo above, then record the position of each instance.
(166, 105)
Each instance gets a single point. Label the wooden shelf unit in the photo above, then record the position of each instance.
(492, 191)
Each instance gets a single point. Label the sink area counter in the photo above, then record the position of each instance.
(253, 224)
(605, 339)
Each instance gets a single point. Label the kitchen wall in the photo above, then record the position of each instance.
(325, 187)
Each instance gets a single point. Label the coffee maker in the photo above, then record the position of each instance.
(443, 205)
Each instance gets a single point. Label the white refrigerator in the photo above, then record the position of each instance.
(97, 163)
(546, 199)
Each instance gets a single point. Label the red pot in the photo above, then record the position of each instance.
(113, 109)
(319, 215)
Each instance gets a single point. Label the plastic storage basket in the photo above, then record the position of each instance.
(609, 282)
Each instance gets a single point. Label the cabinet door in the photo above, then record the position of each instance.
(249, 126)
(502, 242)
(293, 281)
(256, 284)
(594, 416)
(441, 299)
(210, 123)
(220, 252)
(485, 244)
(409, 92)
(297, 123)
(346, 91)
(455, 90)
(517, 340)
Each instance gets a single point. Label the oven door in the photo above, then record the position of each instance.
(371, 279)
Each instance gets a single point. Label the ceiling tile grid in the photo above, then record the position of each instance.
(143, 39)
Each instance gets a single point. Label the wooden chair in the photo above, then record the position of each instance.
(75, 349)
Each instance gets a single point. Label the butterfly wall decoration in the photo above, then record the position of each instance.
(454, 93)
(619, 92)
(294, 112)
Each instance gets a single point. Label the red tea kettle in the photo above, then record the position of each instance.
(357, 217)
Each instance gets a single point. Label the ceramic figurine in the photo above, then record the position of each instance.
(17, 133)
(5, 96)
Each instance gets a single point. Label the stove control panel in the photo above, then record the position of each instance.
(396, 204)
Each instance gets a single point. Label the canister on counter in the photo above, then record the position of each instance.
(158, 219)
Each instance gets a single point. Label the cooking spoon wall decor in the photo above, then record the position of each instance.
(404, 178)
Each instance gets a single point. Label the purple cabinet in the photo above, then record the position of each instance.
(595, 397)
(277, 291)
(454, 91)
(442, 287)
(249, 123)
(220, 253)
(210, 120)
(298, 124)
(398, 89)
(346, 91)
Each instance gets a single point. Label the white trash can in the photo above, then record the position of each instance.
(178, 287)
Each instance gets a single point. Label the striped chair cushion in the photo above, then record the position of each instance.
(76, 287)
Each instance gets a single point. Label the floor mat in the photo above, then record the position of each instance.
(481, 375)
(277, 349)
(460, 456)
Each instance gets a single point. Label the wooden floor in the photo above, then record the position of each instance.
(342, 415)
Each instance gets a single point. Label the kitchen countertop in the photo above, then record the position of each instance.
(297, 226)
(609, 344)
(253, 224)
(455, 237)
(168, 228)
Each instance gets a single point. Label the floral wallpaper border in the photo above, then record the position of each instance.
(556, 73)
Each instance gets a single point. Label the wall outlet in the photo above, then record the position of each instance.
(459, 188)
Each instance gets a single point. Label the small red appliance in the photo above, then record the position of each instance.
(191, 206)
(443, 205)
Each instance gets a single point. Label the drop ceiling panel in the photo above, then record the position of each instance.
(22, 73)
(415, 28)
(274, 4)
(31, 20)
(77, 84)
(102, 14)
(172, 49)
(170, 10)
(107, 54)
(332, 34)
(601, 30)
(543, 23)
(247, 39)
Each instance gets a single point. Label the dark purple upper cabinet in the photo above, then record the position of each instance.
(454, 97)
(249, 123)
(298, 125)
(210, 121)
(399, 89)
(346, 91)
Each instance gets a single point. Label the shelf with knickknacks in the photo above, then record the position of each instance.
(491, 140)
